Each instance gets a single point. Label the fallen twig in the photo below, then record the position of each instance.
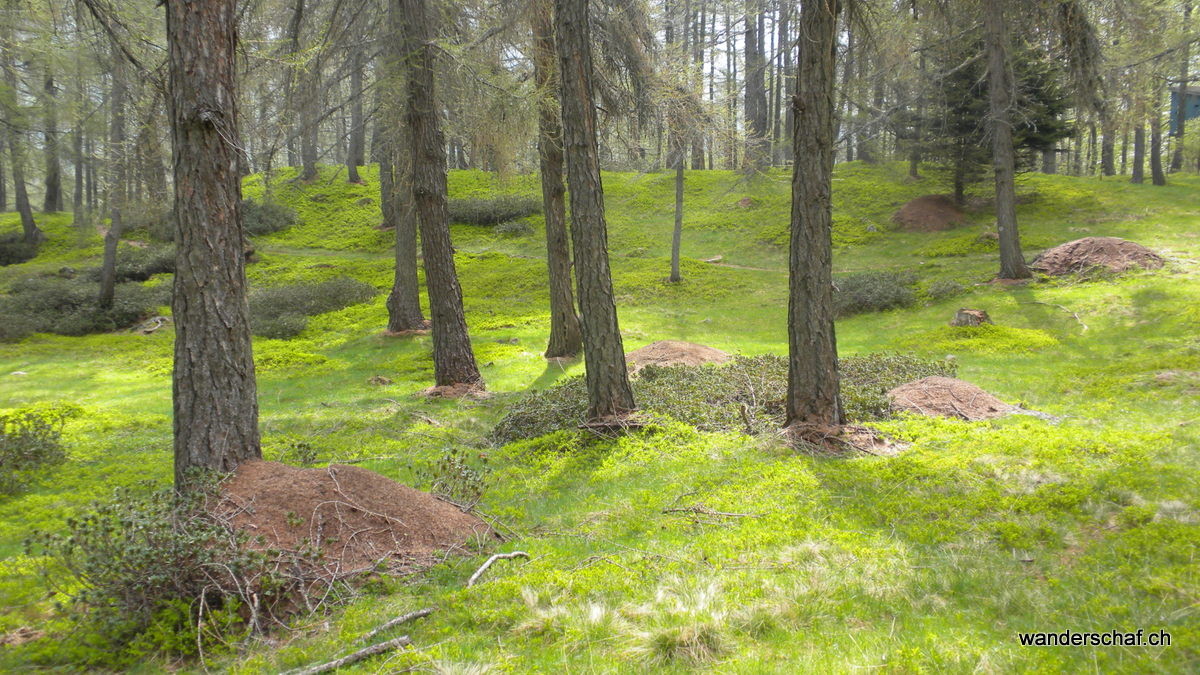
(700, 509)
(404, 618)
(1068, 311)
(355, 657)
(499, 556)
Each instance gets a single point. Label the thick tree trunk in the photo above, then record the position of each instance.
(355, 155)
(1000, 93)
(453, 360)
(813, 398)
(566, 336)
(52, 201)
(1181, 102)
(757, 153)
(215, 399)
(116, 183)
(1139, 152)
(609, 393)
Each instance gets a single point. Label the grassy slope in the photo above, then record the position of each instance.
(930, 560)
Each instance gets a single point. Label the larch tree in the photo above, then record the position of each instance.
(453, 360)
(609, 394)
(14, 123)
(117, 192)
(566, 336)
(813, 395)
(395, 185)
(1000, 101)
(214, 388)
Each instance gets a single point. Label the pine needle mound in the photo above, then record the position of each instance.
(938, 396)
(357, 520)
(674, 353)
(1111, 254)
(930, 213)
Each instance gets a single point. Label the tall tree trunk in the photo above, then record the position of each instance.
(609, 393)
(697, 88)
(215, 395)
(355, 155)
(395, 185)
(453, 360)
(566, 336)
(1181, 102)
(1000, 93)
(116, 183)
(1139, 151)
(813, 398)
(14, 123)
(310, 98)
(756, 94)
(293, 87)
(53, 199)
(1156, 142)
(3, 179)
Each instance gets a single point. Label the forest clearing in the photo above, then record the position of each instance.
(528, 393)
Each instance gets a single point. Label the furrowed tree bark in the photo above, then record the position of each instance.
(52, 201)
(1000, 97)
(14, 124)
(215, 398)
(395, 184)
(566, 336)
(453, 360)
(609, 394)
(813, 397)
(116, 182)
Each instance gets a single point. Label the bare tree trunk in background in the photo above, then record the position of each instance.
(609, 394)
(1139, 151)
(293, 88)
(844, 103)
(453, 360)
(696, 27)
(117, 194)
(215, 394)
(395, 185)
(3, 180)
(310, 97)
(813, 398)
(355, 155)
(13, 123)
(1108, 132)
(757, 154)
(1157, 177)
(1050, 161)
(1000, 93)
(1181, 102)
(53, 199)
(566, 336)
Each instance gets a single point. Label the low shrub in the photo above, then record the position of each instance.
(983, 339)
(138, 570)
(514, 228)
(944, 289)
(31, 438)
(259, 218)
(746, 395)
(873, 292)
(139, 263)
(282, 311)
(14, 250)
(454, 479)
(494, 210)
(68, 307)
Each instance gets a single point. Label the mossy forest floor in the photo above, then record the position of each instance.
(929, 561)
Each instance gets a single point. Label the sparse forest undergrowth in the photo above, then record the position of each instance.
(676, 547)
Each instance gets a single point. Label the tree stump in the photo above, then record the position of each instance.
(970, 317)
